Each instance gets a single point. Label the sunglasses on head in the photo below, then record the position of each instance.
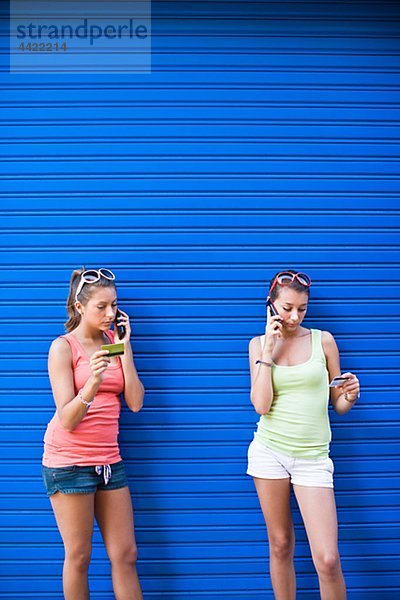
(286, 278)
(91, 276)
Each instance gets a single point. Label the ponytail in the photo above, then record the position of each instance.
(74, 318)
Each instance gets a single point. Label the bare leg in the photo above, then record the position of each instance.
(318, 509)
(274, 496)
(74, 515)
(114, 515)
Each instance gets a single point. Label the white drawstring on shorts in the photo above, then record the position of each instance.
(106, 469)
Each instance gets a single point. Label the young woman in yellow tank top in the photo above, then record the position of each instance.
(291, 368)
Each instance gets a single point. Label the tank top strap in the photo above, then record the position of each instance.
(317, 349)
(110, 335)
(75, 346)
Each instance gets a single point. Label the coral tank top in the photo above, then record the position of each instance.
(95, 440)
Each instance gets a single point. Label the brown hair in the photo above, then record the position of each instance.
(74, 317)
(295, 285)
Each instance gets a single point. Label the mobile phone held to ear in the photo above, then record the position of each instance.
(337, 381)
(121, 330)
(272, 307)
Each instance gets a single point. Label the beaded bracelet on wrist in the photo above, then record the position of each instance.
(82, 399)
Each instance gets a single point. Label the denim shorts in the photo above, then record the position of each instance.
(84, 480)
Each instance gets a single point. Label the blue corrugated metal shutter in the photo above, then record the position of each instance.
(265, 137)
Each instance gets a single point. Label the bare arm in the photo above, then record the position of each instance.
(70, 409)
(133, 388)
(262, 392)
(351, 387)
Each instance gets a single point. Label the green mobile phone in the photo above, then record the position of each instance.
(114, 349)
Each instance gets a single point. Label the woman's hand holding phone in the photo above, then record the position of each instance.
(273, 331)
(122, 327)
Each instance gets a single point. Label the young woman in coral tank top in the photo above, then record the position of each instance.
(82, 467)
(291, 367)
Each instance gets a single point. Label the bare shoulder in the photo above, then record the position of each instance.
(328, 341)
(60, 350)
(255, 345)
(327, 337)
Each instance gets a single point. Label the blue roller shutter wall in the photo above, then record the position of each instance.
(266, 136)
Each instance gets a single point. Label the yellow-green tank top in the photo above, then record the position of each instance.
(297, 423)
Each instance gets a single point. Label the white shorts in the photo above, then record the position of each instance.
(265, 463)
